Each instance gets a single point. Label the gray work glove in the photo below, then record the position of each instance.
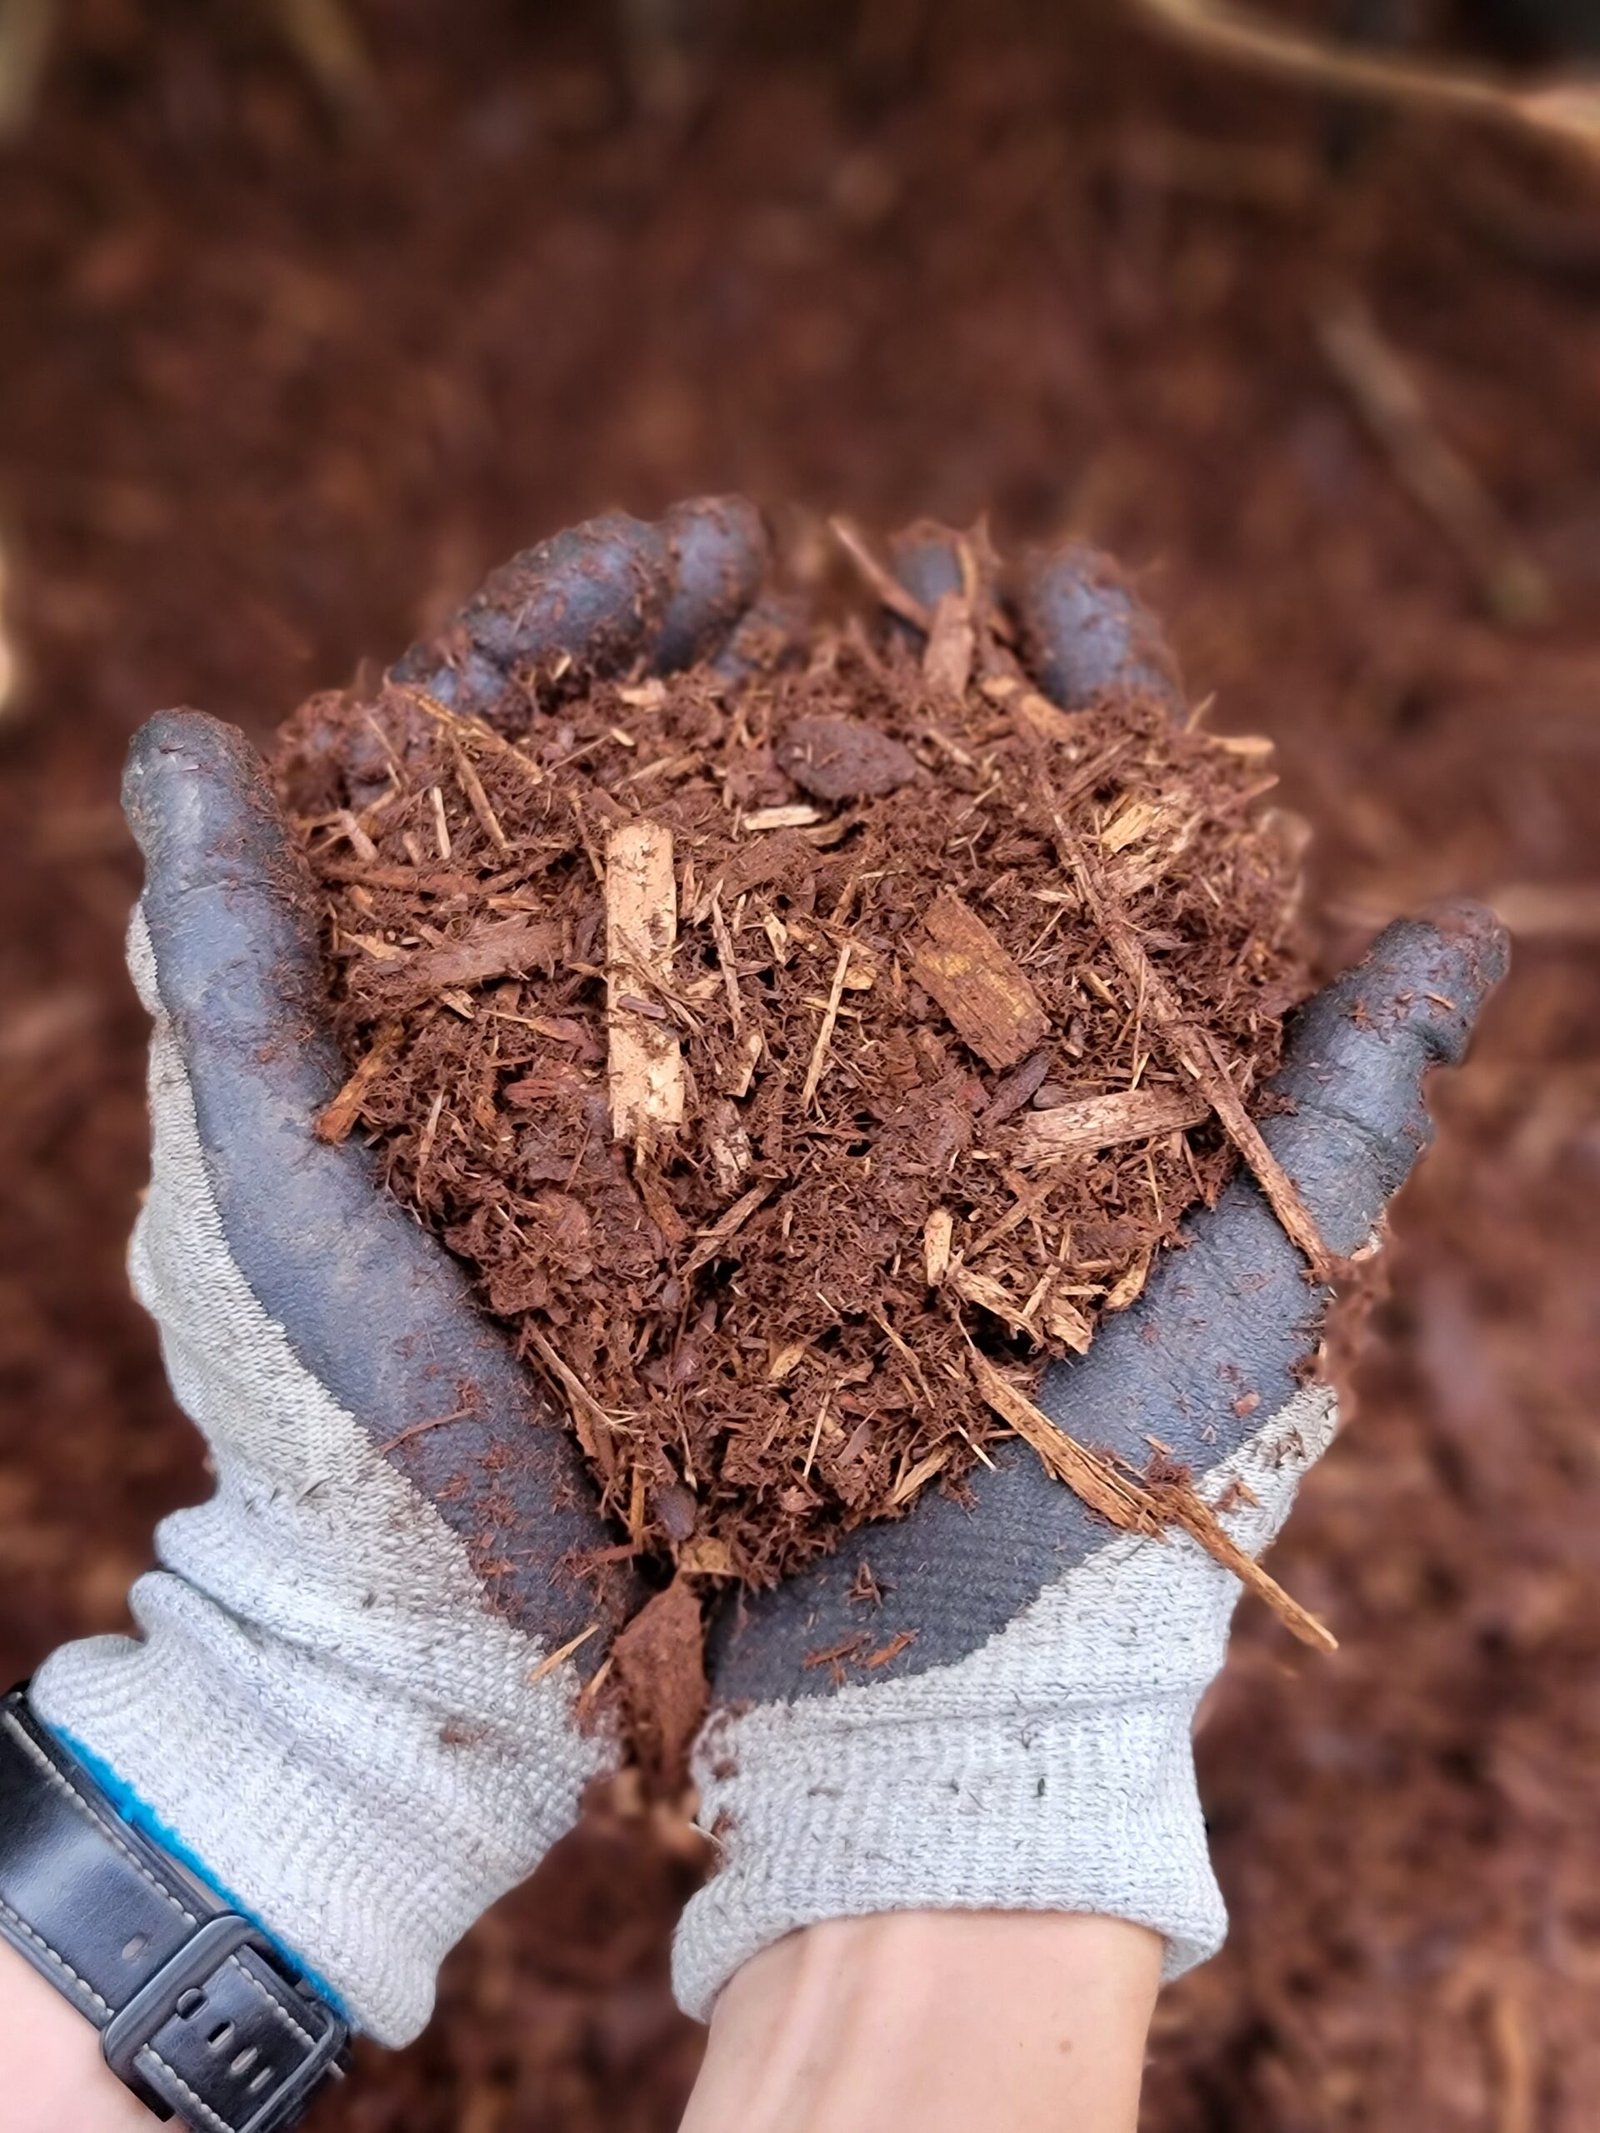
(1012, 1728)
(341, 1707)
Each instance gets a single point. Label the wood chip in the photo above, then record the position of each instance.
(1130, 1287)
(1095, 1122)
(920, 1475)
(830, 1015)
(982, 989)
(707, 1557)
(936, 1245)
(503, 949)
(1048, 720)
(336, 1119)
(1063, 1321)
(728, 1226)
(947, 656)
(796, 816)
(644, 1063)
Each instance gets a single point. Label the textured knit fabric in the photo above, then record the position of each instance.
(1050, 1770)
(319, 1704)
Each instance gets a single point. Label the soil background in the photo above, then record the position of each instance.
(276, 388)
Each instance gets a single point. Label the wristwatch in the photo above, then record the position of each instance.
(198, 2013)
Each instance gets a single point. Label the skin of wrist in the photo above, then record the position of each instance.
(941, 2020)
(54, 2074)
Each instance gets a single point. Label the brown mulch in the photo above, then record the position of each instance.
(272, 398)
(760, 1150)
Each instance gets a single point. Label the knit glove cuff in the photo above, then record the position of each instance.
(1048, 1770)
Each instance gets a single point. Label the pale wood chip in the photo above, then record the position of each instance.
(1091, 1123)
(644, 1062)
(921, 1474)
(564, 1653)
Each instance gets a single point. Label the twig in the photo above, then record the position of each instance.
(1136, 1506)
(726, 959)
(830, 1016)
(890, 592)
(1566, 107)
(1187, 1509)
(1430, 470)
(477, 799)
(416, 1429)
(1114, 1495)
(597, 1438)
(441, 823)
(429, 1130)
(556, 1658)
(816, 1434)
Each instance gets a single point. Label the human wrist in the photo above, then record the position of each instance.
(938, 2020)
(55, 2075)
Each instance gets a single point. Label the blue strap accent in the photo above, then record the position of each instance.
(121, 1795)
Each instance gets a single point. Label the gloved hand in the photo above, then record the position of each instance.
(1019, 1735)
(346, 1708)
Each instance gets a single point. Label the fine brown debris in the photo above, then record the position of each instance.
(790, 1099)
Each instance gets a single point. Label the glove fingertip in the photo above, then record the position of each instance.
(196, 797)
(926, 559)
(226, 902)
(718, 553)
(1085, 632)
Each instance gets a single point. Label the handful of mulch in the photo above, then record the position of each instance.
(799, 1055)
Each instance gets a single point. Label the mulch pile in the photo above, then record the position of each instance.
(277, 397)
(759, 1041)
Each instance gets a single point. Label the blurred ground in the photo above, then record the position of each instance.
(273, 391)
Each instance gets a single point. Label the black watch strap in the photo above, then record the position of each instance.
(196, 2010)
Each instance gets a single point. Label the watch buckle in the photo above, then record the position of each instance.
(158, 2001)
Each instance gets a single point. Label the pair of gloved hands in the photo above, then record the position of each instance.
(342, 1708)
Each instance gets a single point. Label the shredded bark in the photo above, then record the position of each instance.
(771, 1047)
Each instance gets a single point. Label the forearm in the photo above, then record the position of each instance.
(54, 2074)
(941, 2020)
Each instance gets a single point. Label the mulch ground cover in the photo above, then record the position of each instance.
(274, 394)
(758, 1038)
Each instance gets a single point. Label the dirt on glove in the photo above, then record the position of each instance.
(758, 1039)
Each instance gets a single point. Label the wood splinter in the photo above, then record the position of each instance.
(644, 1062)
(1137, 1506)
